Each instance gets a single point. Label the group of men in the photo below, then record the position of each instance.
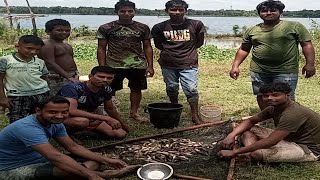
(274, 71)
(125, 51)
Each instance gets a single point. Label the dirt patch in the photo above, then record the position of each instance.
(198, 149)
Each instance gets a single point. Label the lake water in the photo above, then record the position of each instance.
(216, 25)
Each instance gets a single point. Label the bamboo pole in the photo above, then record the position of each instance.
(234, 159)
(33, 20)
(180, 176)
(9, 13)
(99, 148)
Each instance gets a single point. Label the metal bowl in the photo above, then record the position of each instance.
(155, 171)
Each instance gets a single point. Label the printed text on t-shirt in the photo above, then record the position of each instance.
(177, 35)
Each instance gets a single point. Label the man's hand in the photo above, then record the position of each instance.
(5, 102)
(228, 142)
(149, 72)
(308, 70)
(226, 153)
(115, 124)
(115, 163)
(234, 72)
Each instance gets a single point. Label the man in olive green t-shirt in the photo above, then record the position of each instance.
(275, 52)
(296, 137)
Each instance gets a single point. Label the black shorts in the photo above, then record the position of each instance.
(137, 79)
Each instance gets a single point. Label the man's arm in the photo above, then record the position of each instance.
(200, 40)
(112, 112)
(74, 111)
(83, 152)
(47, 53)
(274, 138)
(62, 161)
(4, 101)
(241, 55)
(246, 125)
(149, 56)
(157, 39)
(158, 43)
(101, 51)
(308, 51)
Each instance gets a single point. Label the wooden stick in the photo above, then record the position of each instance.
(233, 160)
(189, 177)
(99, 148)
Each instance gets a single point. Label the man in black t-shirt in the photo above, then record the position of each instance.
(86, 97)
(178, 39)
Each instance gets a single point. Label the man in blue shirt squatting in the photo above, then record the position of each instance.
(25, 151)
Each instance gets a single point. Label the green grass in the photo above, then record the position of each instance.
(215, 87)
(236, 99)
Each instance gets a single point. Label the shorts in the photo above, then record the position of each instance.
(259, 79)
(284, 151)
(34, 171)
(22, 106)
(56, 82)
(93, 124)
(137, 79)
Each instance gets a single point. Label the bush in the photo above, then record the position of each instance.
(213, 53)
(82, 31)
(85, 52)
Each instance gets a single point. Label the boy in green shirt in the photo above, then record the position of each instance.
(21, 75)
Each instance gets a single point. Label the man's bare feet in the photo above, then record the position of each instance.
(127, 128)
(197, 121)
(244, 157)
(121, 172)
(139, 118)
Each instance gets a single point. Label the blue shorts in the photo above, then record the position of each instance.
(188, 79)
(259, 79)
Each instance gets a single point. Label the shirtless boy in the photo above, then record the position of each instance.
(58, 55)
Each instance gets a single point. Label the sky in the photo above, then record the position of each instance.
(291, 5)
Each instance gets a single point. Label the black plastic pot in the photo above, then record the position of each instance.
(164, 115)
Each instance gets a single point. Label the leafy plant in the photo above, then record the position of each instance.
(213, 53)
(85, 52)
(6, 50)
(83, 30)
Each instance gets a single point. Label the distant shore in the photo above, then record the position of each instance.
(157, 12)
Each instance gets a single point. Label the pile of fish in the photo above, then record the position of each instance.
(164, 150)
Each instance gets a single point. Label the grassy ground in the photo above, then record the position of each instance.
(236, 100)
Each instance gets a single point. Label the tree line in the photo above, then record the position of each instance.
(148, 12)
